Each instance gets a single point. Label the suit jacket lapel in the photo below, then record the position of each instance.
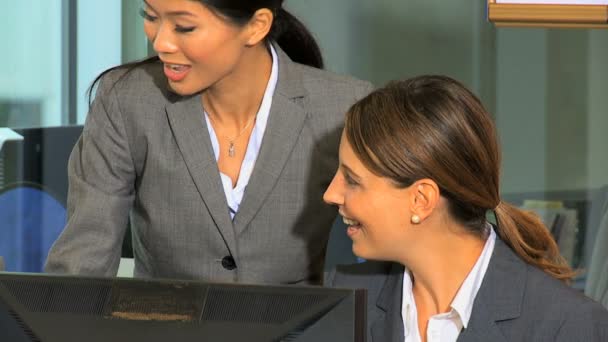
(388, 326)
(499, 298)
(284, 125)
(192, 137)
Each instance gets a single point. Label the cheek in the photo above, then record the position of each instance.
(212, 64)
(379, 208)
(212, 47)
(150, 31)
(197, 49)
(387, 219)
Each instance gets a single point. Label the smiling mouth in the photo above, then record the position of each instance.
(176, 72)
(176, 67)
(350, 222)
(353, 227)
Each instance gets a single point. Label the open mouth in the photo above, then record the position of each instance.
(354, 227)
(176, 72)
(176, 67)
(350, 222)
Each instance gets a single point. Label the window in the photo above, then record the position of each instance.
(31, 82)
(545, 87)
(53, 49)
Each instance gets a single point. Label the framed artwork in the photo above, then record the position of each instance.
(549, 13)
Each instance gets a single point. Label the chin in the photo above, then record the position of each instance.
(368, 254)
(362, 252)
(181, 89)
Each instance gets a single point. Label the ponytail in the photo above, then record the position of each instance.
(528, 237)
(295, 39)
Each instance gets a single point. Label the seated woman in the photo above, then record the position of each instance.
(419, 171)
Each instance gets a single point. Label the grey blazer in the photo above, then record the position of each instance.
(516, 302)
(146, 153)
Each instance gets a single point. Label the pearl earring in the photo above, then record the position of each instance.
(415, 219)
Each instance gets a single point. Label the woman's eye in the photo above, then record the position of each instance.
(182, 29)
(350, 181)
(146, 15)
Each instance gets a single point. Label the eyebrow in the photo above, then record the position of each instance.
(173, 13)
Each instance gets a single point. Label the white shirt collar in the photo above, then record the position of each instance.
(408, 309)
(234, 193)
(465, 297)
(462, 305)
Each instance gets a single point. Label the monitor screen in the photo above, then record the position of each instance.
(39, 159)
(35, 307)
(33, 193)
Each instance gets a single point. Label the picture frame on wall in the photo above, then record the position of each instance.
(549, 13)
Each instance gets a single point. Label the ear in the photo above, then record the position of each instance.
(425, 197)
(259, 26)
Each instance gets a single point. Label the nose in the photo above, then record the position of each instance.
(333, 195)
(164, 40)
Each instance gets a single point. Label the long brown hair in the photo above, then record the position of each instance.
(434, 127)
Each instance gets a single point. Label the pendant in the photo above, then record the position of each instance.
(231, 150)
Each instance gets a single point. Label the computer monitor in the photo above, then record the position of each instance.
(63, 308)
(41, 159)
(33, 193)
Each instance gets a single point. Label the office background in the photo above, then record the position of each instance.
(545, 87)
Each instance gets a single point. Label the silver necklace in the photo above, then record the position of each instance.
(231, 140)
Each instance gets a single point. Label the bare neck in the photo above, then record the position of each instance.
(440, 261)
(234, 99)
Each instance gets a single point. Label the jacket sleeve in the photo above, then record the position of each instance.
(101, 179)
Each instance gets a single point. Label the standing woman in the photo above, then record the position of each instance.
(419, 170)
(218, 150)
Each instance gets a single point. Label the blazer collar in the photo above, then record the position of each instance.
(389, 324)
(499, 298)
(285, 122)
(287, 117)
(290, 84)
(190, 131)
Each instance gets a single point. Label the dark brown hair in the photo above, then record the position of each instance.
(289, 33)
(434, 127)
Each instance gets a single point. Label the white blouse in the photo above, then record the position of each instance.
(446, 327)
(234, 194)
